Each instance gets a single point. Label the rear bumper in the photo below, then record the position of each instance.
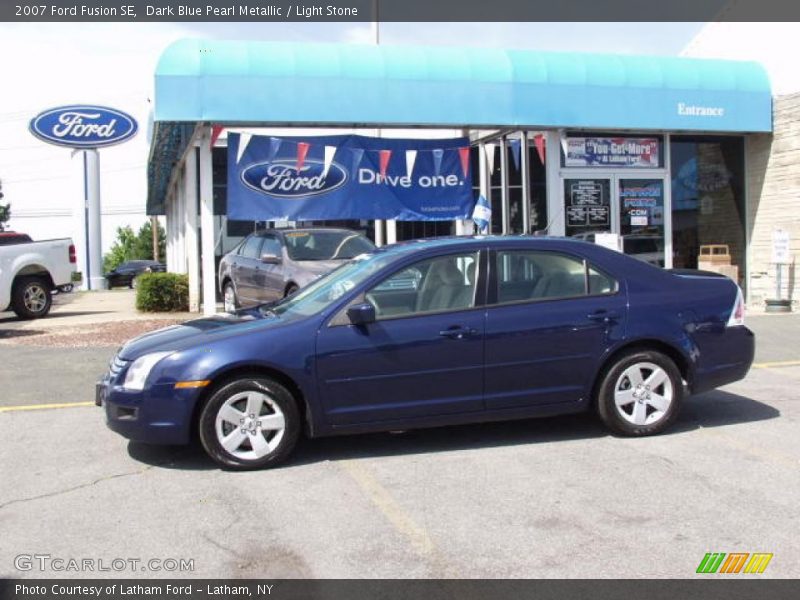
(157, 415)
(725, 357)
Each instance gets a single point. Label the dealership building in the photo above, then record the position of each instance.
(670, 155)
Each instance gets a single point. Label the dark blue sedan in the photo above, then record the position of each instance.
(432, 333)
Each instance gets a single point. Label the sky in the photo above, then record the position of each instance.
(46, 65)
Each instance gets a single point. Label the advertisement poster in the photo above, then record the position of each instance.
(365, 178)
(587, 202)
(612, 152)
(642, 202)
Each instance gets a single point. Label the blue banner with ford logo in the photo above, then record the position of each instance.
(264, 183)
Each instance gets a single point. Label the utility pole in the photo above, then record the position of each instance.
(154, 228)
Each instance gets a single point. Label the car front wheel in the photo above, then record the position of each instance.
(250, 423)
(229, 300)
(640, 394)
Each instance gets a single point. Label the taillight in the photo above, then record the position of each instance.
(72, 258)
(737, 314)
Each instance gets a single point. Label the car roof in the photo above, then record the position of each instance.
(282, 230)
(486, 240)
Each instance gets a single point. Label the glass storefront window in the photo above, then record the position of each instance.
(707, 198)
(538, 187)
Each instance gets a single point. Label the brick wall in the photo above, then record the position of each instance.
(773, 196)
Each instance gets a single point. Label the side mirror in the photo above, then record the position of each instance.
(270, 259)
(361, 314)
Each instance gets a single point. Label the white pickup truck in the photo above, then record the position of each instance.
(29, 272)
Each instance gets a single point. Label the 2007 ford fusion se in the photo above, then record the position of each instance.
(436, 332)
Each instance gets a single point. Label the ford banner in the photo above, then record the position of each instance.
(422, 180)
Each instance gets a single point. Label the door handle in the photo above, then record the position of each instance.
(458, 333)
(605, 316)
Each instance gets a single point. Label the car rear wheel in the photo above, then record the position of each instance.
(290, 289)
(251, 423)
(640, 393)
(229, 300)
(31, 298)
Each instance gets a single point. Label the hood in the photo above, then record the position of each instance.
(178, 337)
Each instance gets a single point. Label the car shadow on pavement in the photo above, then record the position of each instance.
(6, 334)
(712, 409)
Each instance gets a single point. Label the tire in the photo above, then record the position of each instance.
(235, 440)
(290, 289)
(31, 297)
(133, 283)
(631, 406)
(229, 299)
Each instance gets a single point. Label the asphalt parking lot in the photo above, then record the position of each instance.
(544, 498)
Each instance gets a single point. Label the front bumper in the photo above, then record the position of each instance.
(159, 414)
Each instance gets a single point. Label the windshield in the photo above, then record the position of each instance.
(326, 245)
(328, 289)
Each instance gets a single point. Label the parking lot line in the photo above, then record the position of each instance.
(44, 406)
(393, 512)
(778, 363)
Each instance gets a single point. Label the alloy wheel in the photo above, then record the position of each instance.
(643, 393)
(229, 299)
(250, 425)
(35, 298)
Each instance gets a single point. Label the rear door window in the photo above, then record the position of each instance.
(524, 275)
(272, 245)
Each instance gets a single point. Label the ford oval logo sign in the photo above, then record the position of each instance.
(83, 126)
(280, 178)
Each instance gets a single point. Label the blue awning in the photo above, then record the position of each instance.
(279, 83)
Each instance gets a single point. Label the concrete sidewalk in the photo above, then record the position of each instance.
(83, 308)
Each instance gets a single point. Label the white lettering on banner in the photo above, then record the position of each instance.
(370, 177)
(71, 123)
(690, 110)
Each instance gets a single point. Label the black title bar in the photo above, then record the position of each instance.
(708, 587)
(397, 10)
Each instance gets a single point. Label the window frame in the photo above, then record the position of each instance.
(494, 282)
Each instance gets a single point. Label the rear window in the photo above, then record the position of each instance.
(7, 239)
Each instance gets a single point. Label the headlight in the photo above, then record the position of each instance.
(137, 374)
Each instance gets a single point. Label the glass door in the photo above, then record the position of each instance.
(630, 207)
(641, 218)
(588, 207)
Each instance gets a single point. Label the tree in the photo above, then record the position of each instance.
(5, 210)
(122, 250)
(134, 246)
(143, 246)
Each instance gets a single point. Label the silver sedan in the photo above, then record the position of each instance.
(272, 264)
